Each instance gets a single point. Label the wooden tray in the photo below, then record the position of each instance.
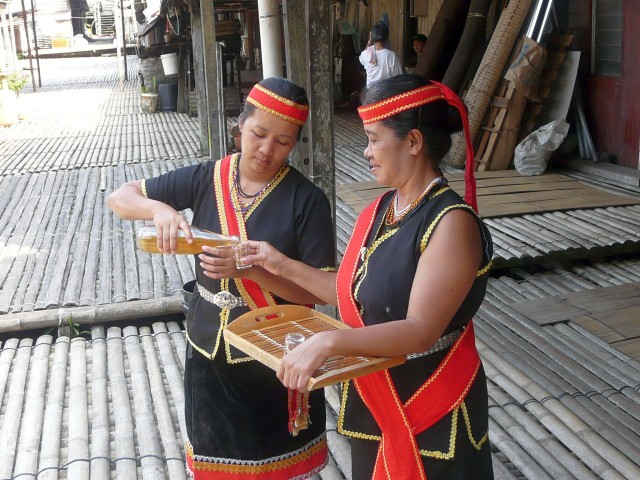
(260, 334)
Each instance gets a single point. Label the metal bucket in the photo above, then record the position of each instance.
(187, 295)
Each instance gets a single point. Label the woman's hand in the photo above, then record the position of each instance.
(297, 366)
(219, 262)
(266, 256)
(169, 222)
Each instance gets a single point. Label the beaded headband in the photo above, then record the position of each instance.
(416, 98)
(278, 106)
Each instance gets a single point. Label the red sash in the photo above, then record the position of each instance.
(398, 455)
(233, 224)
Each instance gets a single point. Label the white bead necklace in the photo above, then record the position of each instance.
(399, 213)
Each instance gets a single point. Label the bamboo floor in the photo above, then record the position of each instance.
(564, 402)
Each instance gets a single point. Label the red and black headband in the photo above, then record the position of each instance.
(416, 98)
(277, 105)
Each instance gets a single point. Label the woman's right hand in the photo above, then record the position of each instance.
(169, 222)
(266, 256)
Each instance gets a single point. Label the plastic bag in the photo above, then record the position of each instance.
(531, 155)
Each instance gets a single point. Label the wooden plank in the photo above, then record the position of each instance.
(548, 310)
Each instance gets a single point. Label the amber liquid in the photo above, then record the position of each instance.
(150, 244)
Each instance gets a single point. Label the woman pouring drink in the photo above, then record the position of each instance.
(237, 412)
(413, 275)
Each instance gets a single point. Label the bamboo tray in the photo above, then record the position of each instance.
(260, 334)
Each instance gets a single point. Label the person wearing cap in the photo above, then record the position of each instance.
(419, 41)
(241, 422)
(412, 277)
(378, 61)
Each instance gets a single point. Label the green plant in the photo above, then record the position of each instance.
(17, 81)
(145, 89)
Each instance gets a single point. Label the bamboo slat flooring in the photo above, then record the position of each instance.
(89, 122)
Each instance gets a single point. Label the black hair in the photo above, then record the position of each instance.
(436, 120)
(379, 32)
(280, 86)
(420, 37)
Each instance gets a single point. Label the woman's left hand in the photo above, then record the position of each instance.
(219, 262)
(297, 366)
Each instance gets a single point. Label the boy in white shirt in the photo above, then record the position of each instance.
(378, 61)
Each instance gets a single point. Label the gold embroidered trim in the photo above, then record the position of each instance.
(234, 468)
(340, 425)
(328, 269)
(427, 234)
(453, 432)
(477, 445)
(276, 113)
(143, 187)
(362, 271)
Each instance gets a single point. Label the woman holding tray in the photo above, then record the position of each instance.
(413, 275)
(241, 422)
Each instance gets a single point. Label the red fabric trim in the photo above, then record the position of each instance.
(275, 104)
(253, 289)
(398, 455)
(224, 471)
(391, 106)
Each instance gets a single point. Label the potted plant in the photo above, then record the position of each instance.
(10, 86)
(148, 95)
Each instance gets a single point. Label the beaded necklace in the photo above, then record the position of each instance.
(394, 216)
(250, 199)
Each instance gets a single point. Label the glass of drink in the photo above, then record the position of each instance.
(240, 251)
(292, 340)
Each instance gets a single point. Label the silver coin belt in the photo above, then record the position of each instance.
(443, 342)
(222, 299)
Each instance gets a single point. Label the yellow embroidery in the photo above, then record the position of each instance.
(362, 271)
(143, 187)
(427, 234)
(239, 469)
(452, 441)
(276, 113)
(477, 445)
(453, 432)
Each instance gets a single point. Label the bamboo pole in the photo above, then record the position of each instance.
(164, 419)
(13, 411)
(486, 80)
(52, 428)
(563, 461)
(516, 454)
(124, 443)
(26, 462)
(100, 435)
(171, 367)
(145, 420)
(78, 440)
(92, 315)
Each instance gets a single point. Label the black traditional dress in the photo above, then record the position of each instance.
(236, 408)
(456, 446)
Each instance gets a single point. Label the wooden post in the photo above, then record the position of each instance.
(308, 29)
(205, 60)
